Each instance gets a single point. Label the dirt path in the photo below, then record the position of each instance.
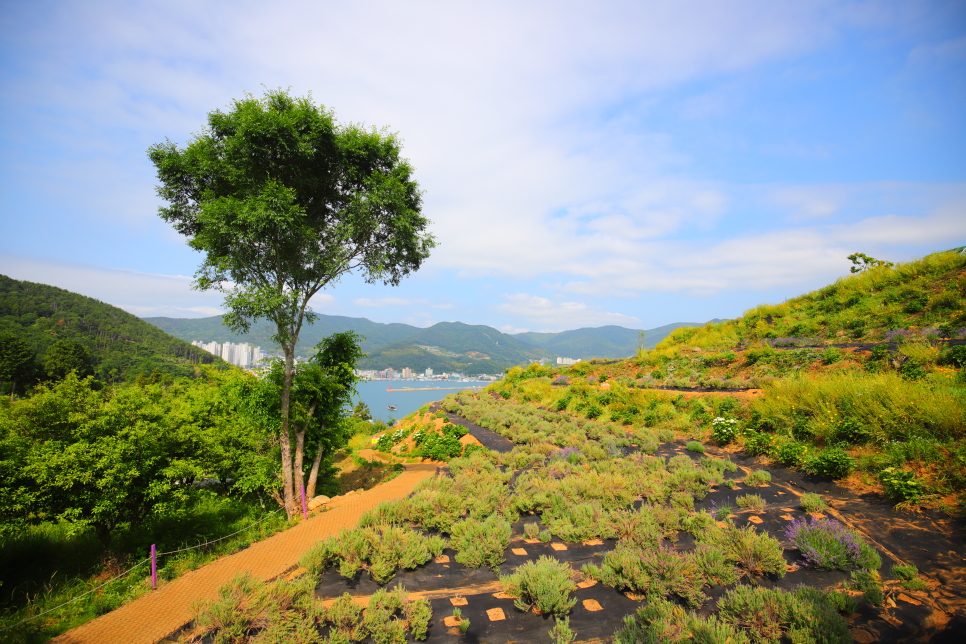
(156, 615)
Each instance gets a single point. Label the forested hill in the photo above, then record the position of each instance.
(122, 345)
(454, 346)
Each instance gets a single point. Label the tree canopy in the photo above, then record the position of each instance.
(283, 201)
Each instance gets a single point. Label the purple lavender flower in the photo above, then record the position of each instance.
(826, 543)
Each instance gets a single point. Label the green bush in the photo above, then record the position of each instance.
(757, 478)
(900, 484)
(805, 615)
(832, 462)
(695, 446)
(662, 622)
(724, 430)
(870, 584)
(760, 444)
(812, 502)
(546, 584)
(481, 544)
(561, 632)
(791, 453)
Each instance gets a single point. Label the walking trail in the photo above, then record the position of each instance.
(156, 615)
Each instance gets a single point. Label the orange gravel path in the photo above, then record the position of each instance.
(156, 615)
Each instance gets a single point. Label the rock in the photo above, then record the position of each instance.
(321, 498)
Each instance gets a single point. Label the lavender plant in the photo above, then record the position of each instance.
(830, 545)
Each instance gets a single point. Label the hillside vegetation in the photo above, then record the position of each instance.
(121, 345)
(862, 381)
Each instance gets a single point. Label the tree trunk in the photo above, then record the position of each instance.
(285, 438)
(298, 471)
(314, 473)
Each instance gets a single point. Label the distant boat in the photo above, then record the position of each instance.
(392, 408)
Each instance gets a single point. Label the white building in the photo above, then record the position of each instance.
(429, 371)
(567, 361)
(241, 355)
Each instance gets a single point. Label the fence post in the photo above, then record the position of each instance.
(154, 567)
(305, 508)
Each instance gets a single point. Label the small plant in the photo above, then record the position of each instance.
(695, 446)
(655, 572)
(812, 502)
(908, 574)
(545, 584)
(464, 625)
(900, 485)
(759, 554)
(870, 584)
(561, 633)
(829, 545)
(753, 502)
(457, 613)
(724, 430)
(665, 435)
(757, 478)
(545, 536)
(531, 530)
(721, 512)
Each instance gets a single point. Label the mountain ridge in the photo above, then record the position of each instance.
(445, 346)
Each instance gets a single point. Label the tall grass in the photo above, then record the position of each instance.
(887, 406)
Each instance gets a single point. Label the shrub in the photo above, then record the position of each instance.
(545, 584)
(655, 572)
(753, 502)
(343, 614)
(757, 478)
(791, 453)
(481, 544)
(661, 621)
(905, 572)
(900, 485)
(805, 615)
(724, 430)
(832, 462)
(759, 554)
(828, 544)
(531, 530)
(812, 502)
(695, 446)
(419, 613)
(760, 444)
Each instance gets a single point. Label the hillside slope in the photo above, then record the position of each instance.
(917, 299)
(123, 346)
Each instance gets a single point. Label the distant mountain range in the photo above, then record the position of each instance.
(446, 346)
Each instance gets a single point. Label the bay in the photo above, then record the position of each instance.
(374, 393)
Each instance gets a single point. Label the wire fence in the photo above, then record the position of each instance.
(150, 559)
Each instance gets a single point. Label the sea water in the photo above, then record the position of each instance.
(375, 394)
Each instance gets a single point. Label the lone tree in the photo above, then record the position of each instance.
(283, 201)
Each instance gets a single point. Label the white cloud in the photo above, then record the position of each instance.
(561, 315)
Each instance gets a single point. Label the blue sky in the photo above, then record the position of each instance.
(631, 163)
